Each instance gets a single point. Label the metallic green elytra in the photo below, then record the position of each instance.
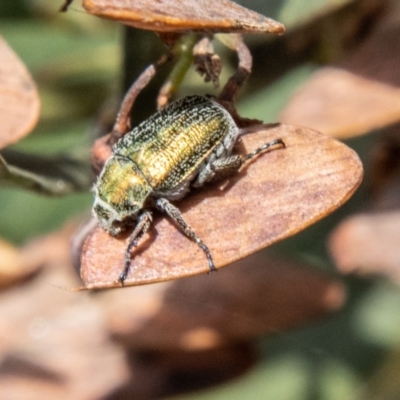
(184, 145)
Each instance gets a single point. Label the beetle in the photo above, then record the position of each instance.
(186, 144)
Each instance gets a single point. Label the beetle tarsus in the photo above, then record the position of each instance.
(208, 255)
(264, 147)
(137, 234)
(123, 275)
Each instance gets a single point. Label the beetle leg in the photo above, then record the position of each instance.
(174, 213)
(225, 166)
(220, 168)
(141, 228)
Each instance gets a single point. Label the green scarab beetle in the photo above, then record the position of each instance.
(184, 145)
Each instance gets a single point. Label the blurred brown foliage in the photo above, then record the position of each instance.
(135, 342)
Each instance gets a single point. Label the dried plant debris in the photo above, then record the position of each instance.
(19, 99)
(277, 195)
(172, 15)
(208, 64)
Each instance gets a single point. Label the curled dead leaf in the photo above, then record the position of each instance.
(19, 99)
(171, 15)
(276, 196)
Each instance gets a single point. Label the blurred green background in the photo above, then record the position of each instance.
(78, 64)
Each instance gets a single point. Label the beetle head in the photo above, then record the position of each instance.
(120, 194)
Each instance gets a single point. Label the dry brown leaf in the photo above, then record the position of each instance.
(19, 99)
(172, 15)
(360, 94)
(53, 343)
(260, 295)
(277, 195)
(342, 104)
(18, 264)
(379, 233)
(57, 344)
(154, 373)
(384, 170)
